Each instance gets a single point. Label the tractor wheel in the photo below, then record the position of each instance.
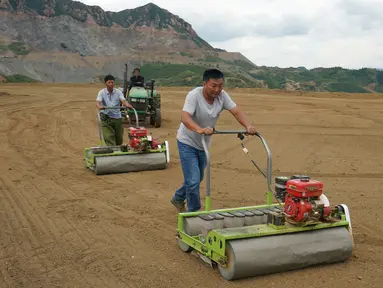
(157, 118)
(152, 119)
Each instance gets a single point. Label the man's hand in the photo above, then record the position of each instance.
(205, 131)
(99, 105)
(187, 120)
(127, 104)
(251, 130)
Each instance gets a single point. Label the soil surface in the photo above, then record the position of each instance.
(63, 226)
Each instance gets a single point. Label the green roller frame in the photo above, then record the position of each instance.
(212, 247)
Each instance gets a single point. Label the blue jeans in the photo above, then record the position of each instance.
(193, 162)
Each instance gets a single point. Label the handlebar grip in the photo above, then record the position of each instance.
(117, 107)
(228, 131)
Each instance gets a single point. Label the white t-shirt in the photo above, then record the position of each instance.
(204, 114)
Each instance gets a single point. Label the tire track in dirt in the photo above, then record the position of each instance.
(35, 223)
(81, 235)
(20, 225)
(84, 232)
(371, 235)
(22, 129)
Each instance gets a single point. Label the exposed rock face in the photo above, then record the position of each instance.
(89, 30)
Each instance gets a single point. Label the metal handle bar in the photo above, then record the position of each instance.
(207, 169)
(229, 131)
(269, 161)
(115, 107)
(112, 108)
(125, 108)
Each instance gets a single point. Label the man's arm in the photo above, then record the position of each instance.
(123, 100)
(187, 120)
(238, 114)
(99, 101)
(243, 120)
(99, 105)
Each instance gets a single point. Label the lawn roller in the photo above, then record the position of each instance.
(299, 231)
(142, 152)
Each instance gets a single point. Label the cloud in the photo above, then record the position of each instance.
(367, 13)
(283, 33)
(262, 25)
(288, 25)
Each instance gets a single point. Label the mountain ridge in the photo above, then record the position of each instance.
(69, 41)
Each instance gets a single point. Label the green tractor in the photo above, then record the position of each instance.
(145, 99)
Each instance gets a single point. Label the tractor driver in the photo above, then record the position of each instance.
(136, 79)
(202, 108)
(111, 119)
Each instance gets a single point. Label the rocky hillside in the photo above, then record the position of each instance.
(68, 41)
(71, 26)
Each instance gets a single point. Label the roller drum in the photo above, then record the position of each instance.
(129, 163)
(280, 253)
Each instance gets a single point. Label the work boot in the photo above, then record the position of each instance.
(180, 206)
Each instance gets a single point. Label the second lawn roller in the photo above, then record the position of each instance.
(142, 152)
(299, 231)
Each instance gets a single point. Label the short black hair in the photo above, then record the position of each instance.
(212, 74)
(109, 77)
(136, 69)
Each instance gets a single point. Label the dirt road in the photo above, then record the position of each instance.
(61, 226)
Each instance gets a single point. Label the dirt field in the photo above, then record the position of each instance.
(62, 226)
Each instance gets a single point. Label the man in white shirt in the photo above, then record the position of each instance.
(111, 119)
(201, 111)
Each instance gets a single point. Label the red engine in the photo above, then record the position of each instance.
(139, 139)
(304, 200)
(138, 132)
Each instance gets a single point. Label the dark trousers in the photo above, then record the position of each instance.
(112, 130)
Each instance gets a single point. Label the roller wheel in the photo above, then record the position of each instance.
(346, 211)
(228, 272)
(184, 247)
(157, 118)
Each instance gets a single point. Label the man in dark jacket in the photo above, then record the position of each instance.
(137, 79)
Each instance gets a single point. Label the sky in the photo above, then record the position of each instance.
(283, 33)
